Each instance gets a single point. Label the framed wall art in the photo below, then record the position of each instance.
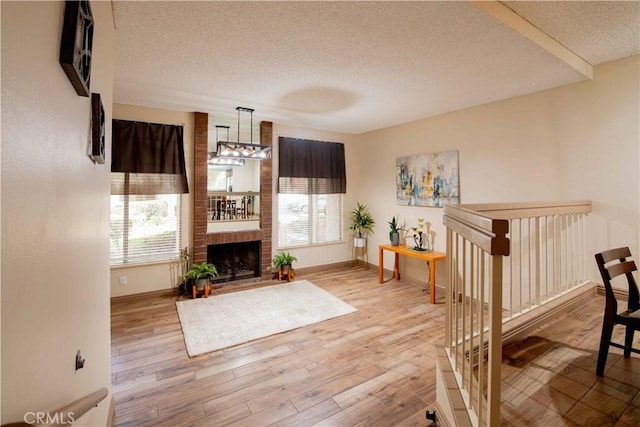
(76, 45)
(97, 129)
(428, 179)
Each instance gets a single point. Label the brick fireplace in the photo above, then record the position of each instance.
(201, 239)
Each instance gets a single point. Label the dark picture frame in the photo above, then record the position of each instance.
(97, 129)
(76, 44)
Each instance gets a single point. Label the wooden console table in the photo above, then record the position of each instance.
(430, 256)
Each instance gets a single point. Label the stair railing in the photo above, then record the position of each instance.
(546, 251)
(65, 415)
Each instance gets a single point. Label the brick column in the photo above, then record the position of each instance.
(200, 153)
(201, 239)
(266, 199)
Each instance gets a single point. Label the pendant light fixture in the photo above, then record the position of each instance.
(241, 150)
(214, 159)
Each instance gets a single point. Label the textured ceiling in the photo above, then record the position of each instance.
(598, 31)
(352, 66)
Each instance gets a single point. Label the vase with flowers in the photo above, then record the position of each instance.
(421, 235)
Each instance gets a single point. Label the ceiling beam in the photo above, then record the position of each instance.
(514, 21)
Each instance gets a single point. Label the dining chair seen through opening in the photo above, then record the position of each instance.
(613, 263)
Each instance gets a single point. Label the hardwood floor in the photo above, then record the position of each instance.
(549, 379)
(375, 367)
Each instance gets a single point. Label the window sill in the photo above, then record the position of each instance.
(311, 245)
(144, 263)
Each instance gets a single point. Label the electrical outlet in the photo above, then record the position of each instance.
(123, 280)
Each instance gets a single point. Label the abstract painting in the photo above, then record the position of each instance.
(428, 179)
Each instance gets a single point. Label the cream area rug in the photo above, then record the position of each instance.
(223, 321)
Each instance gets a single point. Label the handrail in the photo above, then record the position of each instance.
(524, 209)
(486, 232)
(67, 414)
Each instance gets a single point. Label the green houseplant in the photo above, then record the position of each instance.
(202, 273)
(362, 224)
(283, 261)
(394, 230)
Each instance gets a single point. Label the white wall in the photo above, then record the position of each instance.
(330, 253)
(574, 142)
(598, 147)
(55, 217)
(163, 275)
(246, 177)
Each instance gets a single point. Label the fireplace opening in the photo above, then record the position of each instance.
(235, 261)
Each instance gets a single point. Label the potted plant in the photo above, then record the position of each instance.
(202, 274)
(394, 230)
(362, 224)
(284, 261)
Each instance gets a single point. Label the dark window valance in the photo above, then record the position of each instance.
(319, 164)
(149, 157)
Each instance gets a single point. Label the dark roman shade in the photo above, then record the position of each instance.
(147, 158)
(311, 167)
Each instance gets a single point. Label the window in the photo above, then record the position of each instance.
(307, 219)
(144, 228)
(148, 175)
(218, 179)
(311, 182)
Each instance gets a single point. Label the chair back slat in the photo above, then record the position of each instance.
(617, 253)
(622, 268)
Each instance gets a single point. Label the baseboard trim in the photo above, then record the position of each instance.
(622, 294)
(171, 291)
(111, 413)
(324, 267)
(526, 324)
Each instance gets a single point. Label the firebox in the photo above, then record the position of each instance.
(235, 261)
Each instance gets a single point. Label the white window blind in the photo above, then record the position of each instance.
(145, 228)
(307, 219)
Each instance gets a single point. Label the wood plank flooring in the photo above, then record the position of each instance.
(549, 379)
(375, 367)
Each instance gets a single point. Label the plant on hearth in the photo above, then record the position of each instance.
(283, 260)
(202, 273)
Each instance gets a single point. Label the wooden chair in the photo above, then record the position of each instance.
(242, 210)
(231, 209)
(220, 207)
(227, 208)
(629, 318)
